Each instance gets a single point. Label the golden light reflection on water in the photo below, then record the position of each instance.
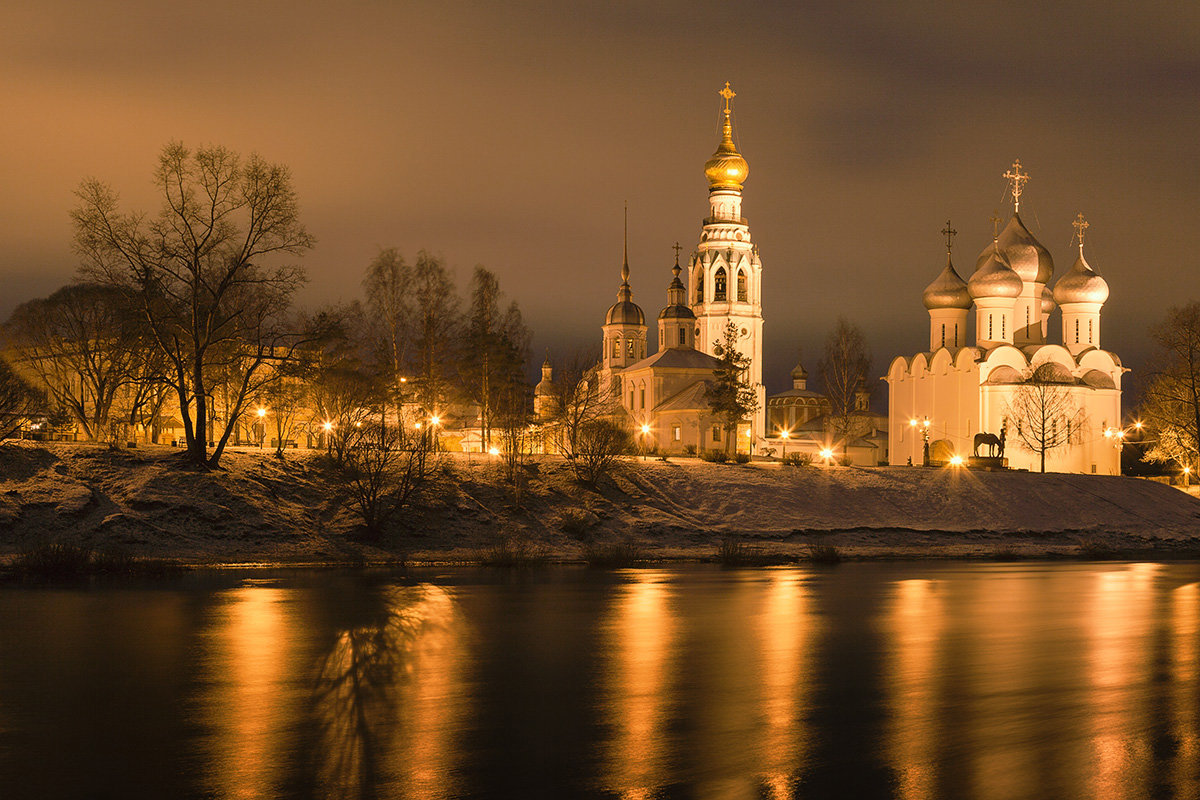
(1185, 695)
(251, 648)
(785, 629)
(915, 624)
(390, 699)
(1120, 616)
(639, 636)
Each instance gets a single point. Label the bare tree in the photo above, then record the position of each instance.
(201, 272)
(575, 401)
(389, 292)
(436, 323)
(496, 346)
(843, 368)
(1043, 417)
(18, 401)
(600, 444)
(1171, 403)
(381, 471)
(84, 346)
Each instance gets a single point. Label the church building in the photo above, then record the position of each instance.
(664, 393)
(1060, 402)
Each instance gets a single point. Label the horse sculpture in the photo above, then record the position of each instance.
(994, 443)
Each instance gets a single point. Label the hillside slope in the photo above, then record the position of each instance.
(260, 509)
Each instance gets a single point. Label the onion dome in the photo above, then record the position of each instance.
(1081, 284)
(995, 278)
(547, 382)
(726, 169)
(799, 373)
(1048, 304)
(676, 307)
(948, 290)
(1025, 254)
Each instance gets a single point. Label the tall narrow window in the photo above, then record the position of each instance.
(741, 287)
(617, 347)
(719, 292)
(1026, 316)
(1003, 327)
(1090, 332)
(642, 397)
(716, 433)
(676, 433)
(989, 327)
(1076, 331)
(943, 334)
(630, 352)
(699, 281)
(682, 334)
(631, 399)
(956, 334)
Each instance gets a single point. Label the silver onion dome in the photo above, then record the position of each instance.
(948, 290)
(1081, 284)
(994, 278)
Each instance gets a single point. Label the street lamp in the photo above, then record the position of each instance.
(262, 428)
(826, 454)
(328, 428)
(956, 460)
(645, 433)
(924, 425)
(784, 434)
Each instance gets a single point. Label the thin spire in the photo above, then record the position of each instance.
(1016, 180)
(995, 218)
(625, 261)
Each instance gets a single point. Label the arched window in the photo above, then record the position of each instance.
(1026, 316)
(617, 347)
(741, 287)
(943, 334)
(956, 334)
(683, 334)
(1003, 326)
(699, 282)
(719, 292)
(630, 344)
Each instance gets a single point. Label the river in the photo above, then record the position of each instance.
(905, 680)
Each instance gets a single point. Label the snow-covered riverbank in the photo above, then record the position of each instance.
(261, 509)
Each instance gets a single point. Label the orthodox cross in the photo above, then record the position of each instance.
(1017, 181)
(1080, 225)
(995, 225)
(728, 94)
(949, 233)
(676, 248)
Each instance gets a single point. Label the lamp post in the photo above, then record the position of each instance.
(784, 434)
(1117, 435)
(262, 427)
(827, 454)
(328, 428)
(923, 424)
(642, 439)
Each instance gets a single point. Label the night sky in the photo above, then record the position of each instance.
(511, 134)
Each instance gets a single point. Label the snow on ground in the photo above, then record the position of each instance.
(258, 508)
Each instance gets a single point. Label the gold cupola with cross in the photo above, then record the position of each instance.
(727, 169)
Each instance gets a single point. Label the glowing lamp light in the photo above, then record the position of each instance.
(826, 453)
(784, 434)
(262, 412)
(417, 425)
(926, 423)
(495, 451)
(328, 426)
(1187, 470)
(1138, 424)
(956, 461)
(404, 380)
(912, 423)
(435, 420)
(645, 429)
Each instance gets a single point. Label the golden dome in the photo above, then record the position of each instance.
(726, 169)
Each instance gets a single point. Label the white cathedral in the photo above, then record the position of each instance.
(940, 399)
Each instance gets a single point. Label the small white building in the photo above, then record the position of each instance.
(961, 387)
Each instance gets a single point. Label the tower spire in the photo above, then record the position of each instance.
(625, 259)
(1016, 180)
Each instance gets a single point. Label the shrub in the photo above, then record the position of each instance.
(73, 562)
(613, 555)
(741, 458)
(574, 522)
(512, 552)
(689, 449)
(598, 446)
(798, 459)
(715, 456)
(821, 553)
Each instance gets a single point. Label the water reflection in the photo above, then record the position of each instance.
(250, 653)
(639, 637)
(384, 701)
(915, 626)
(1185, 684)
(785, 631)
(1120, 659)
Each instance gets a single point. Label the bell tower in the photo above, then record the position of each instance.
(725, 273)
